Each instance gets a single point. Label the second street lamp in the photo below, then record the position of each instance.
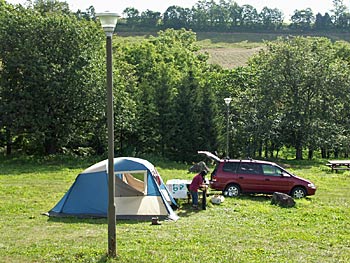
(227, 102)
(108, 21)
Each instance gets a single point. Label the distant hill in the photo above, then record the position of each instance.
(231, 50)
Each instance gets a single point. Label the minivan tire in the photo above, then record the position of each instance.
(298, 192)
(232, 190)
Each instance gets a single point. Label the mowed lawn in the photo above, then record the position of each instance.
(244, 229)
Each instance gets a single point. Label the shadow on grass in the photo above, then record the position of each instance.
(105, 258)
(75, 220)
(23, 164)
(186, 209)
(255, 197)
(97, 221)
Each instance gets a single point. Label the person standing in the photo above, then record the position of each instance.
(197, 182)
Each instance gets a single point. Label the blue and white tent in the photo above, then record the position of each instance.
(140, 192)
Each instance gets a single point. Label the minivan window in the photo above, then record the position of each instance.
(271, 170)
(230, 167)
(249, 168)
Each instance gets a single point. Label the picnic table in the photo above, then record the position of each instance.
(339, 165)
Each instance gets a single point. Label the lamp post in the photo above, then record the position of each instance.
(108, 21)
(227, 102)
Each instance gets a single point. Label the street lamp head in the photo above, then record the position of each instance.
(108, 21)
(227, 101)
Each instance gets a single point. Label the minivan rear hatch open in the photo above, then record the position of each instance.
(210, 155)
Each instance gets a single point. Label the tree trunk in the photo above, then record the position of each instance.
(277, 152)
(299, 146)
(50, 146)
(266, 150)
(299, 153)
(8, 142)
(260, 149)
(311, 154)
(336, 153)
(272, 149)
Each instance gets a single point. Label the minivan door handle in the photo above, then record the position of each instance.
(267, 179)
(241, 177)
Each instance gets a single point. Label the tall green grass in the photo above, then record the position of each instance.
(244, 229)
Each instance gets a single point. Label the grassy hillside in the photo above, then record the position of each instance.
(231, 50)
(234, 49)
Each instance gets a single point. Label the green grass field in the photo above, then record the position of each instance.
(244, 229)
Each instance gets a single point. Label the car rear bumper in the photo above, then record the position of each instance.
(216, 186)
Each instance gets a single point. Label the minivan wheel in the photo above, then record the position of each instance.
(232, 190)
(298, 192)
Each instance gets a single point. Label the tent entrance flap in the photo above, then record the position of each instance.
(133, 181)
(124, 189)
(136, 179)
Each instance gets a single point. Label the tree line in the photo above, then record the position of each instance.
(169, 101)
(228, 16)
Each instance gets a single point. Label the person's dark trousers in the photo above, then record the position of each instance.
(194, 195)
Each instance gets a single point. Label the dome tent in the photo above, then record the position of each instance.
(140, 192)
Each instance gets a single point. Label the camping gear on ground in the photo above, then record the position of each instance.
(217, 199)
(139, 192)
(155, 221)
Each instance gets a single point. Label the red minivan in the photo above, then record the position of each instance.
(234, 177)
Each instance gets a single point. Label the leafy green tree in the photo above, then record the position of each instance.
(132, 16)
(150, 18)
(235, 14)
(271, 19)
(170, 95)
(299, 72)
(302, 19)
(51, 6)
(194, 126)
(217, 16)
(344, 21)
(323, 22)
(222, 13)
(177, 17)
(200, 18)
(250, 17)
(186, 123)
(89, 14)
(339, 11)
(50, 91)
